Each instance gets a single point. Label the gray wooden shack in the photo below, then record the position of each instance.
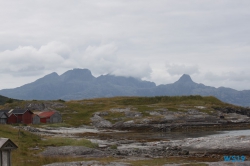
(56, 118)
(35, 119)
(6, 145)
(3, 118)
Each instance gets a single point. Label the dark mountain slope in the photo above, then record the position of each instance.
(185, 86)
(80, 83)
(77, 84)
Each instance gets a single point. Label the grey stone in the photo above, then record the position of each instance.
(88, 163)
(72, 151)
(99, 122)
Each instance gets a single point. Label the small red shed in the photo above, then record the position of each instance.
(18, 116)
(50, 117)
(11, 118)
(45, 116)
(23, 115)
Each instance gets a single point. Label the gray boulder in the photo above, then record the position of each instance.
(99, 122)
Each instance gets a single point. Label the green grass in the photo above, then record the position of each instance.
(56, 125)
(61, 141)
(114, 116)
(192, 161)
(83, 115)
(26, 156)
(77, 113)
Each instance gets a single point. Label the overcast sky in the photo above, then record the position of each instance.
(152, 40)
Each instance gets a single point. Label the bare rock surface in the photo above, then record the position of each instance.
(45, 105)
(215, 145)
(221, 163)
(89, 163)
(99, 122)
(72, 151)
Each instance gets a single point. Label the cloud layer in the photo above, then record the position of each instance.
(153, 40)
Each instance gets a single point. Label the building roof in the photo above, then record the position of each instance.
(46, 114)
(3, 113)
(19, 111)
(6, 143)
(37, 112)
(15, 111)
(7, 112)
(35, 115)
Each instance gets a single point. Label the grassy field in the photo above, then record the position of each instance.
(77, 113)
(26, 155)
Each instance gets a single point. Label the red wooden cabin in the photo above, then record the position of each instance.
(12, 118)
(18, 116)
(23, 115)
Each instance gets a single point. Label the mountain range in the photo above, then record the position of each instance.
(81, 84)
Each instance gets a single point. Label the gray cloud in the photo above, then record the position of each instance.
(176, 69)
(228, 76)
(130, 38)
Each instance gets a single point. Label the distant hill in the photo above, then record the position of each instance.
(81, 84)
(4, 100)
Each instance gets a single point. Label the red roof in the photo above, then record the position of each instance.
(46, 114)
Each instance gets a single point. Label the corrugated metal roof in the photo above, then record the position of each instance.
(46, 114)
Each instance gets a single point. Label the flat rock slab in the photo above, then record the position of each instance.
(235, 145)
(88, 163)
(72, 151)
(221, 163)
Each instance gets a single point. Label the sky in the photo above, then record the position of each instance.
(151, 40)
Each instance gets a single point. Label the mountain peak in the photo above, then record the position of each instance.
(185, 78)
(77, 74)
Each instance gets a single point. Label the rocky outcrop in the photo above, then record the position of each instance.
(99, 122)
(167, 120)
(40, 106)
(220, 163)
(72, 151)
(234, 145)
(88, 163)
(213, 147)
(238, 110)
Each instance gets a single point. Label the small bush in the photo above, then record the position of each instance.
(9, 100)
(113, 146)
(60, 100)
(58, 141)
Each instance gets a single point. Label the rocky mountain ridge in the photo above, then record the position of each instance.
(81, 84)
